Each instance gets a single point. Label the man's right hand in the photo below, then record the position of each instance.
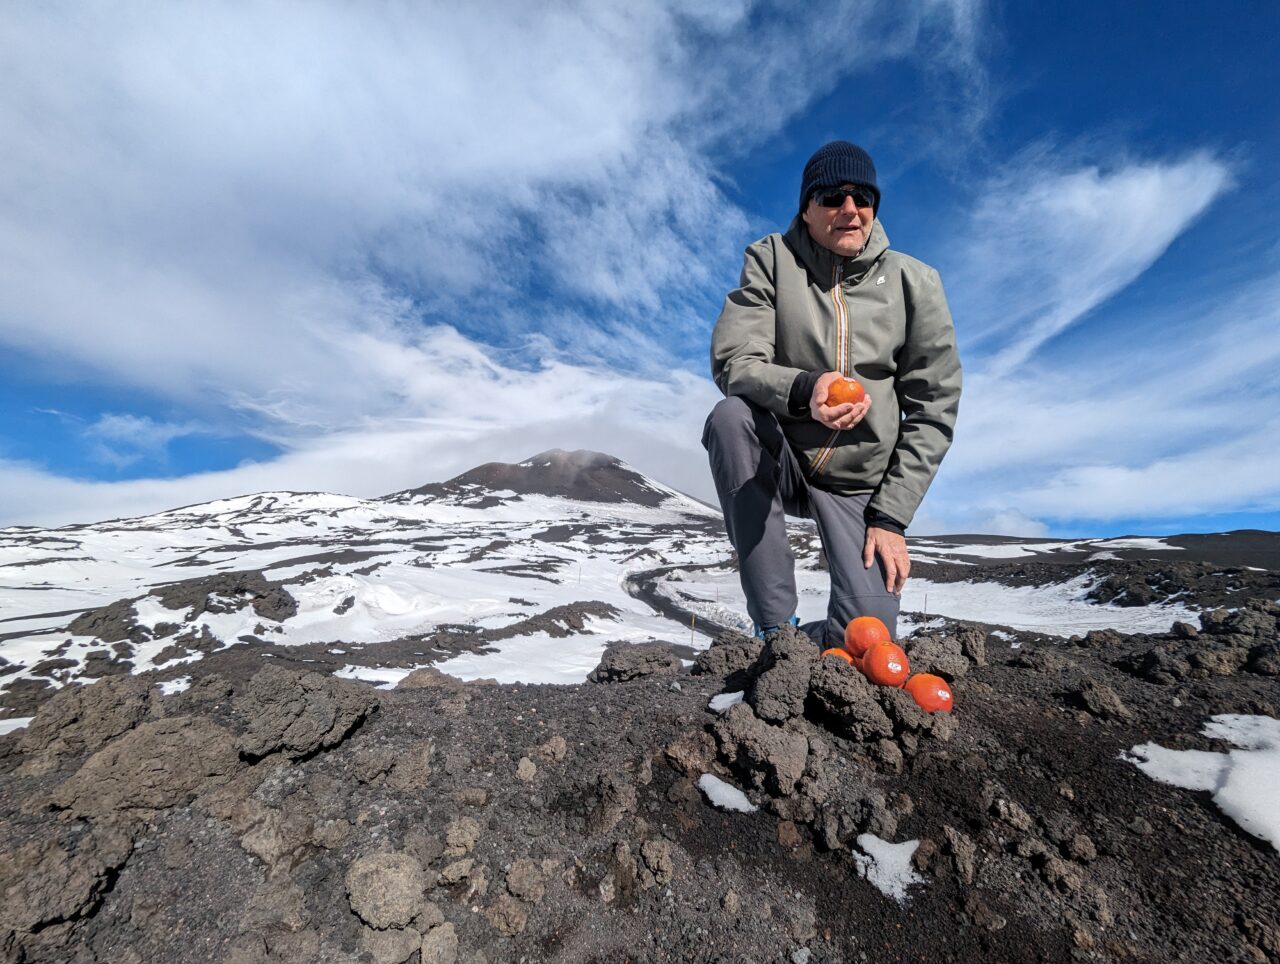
(835, 416)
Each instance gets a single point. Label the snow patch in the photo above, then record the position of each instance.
(722, 702)
(887, 866)
(725, 795)
(17, 723)
(1245, 782)
(535, 658)
(179, 685)
(383, 677)
(1140, 542)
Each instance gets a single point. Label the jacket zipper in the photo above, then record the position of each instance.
(842, 358)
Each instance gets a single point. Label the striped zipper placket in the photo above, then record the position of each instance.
(842, 355)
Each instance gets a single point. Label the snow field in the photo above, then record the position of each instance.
(420, 564)
(1245, 782)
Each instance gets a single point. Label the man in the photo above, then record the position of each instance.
(825, 300)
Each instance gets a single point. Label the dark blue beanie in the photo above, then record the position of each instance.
(839, 163)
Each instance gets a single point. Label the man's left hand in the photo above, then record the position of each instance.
(892, 549)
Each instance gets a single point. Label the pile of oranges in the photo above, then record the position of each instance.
(870, 649)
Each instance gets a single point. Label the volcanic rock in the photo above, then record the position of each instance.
(80, 719)
(386, 890)
(781, 675)
(731, 652)
(393, 946)
(228, 592)
(1265, 659)
(428, 677)
(773, 758)
(112, 623)
(628, 661)
(615, 797)
(299, 713)
(841, 698)
(48, 881)
(941, 655)
(440, 945)
(461, 836)
(1102, 701)
(160, 764)
(525, 880)
(507, 915)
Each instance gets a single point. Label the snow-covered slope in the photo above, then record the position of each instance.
(535, 562)
(359, 571)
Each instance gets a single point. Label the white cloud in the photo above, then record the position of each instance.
(259, 214)
(481, 412)
(124, 440)
(1174, 418)
(1048, 243)
(211, 199)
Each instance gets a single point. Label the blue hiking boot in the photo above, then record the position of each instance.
(762, 631)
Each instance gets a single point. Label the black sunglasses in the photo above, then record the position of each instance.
(834, 197)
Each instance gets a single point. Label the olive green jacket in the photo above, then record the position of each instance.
(882, 318)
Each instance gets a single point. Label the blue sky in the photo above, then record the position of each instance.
(242, 250)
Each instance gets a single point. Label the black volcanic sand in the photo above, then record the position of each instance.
(291, 816)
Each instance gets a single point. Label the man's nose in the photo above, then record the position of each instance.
(848, 207)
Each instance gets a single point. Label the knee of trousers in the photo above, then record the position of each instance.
(732, 422)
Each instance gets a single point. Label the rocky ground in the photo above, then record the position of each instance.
(274, 813)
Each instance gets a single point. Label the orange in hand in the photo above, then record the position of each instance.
(844, 390)
(843, 654)
(885, 664)
(930, 692)
(863, 632)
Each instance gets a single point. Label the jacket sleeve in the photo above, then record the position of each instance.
(742, 345)
(928, 389)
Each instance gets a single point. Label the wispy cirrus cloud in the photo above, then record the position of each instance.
(124, 440)
(1050, 241)
(1173, 419)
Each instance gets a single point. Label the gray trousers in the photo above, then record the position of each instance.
(760, 482)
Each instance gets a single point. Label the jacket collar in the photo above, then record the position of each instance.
(821, 262)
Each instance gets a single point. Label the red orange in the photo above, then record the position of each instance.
(863, 632)
(843, 654)
(885, 664)
(844, 390)
(930, 692)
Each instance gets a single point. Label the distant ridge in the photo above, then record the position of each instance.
(581, 475)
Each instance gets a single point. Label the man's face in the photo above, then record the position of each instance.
(843, 230)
